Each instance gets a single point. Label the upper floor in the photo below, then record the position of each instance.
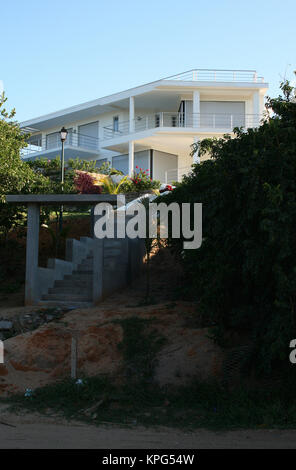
(198, 102)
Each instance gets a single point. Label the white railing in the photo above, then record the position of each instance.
(53, 142)
(223, 121)
(205, 75)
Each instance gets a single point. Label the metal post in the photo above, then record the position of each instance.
(62, 181)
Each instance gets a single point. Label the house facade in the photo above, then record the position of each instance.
(154, 125)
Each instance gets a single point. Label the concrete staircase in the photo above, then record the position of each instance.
(74, 290)
(93, 269)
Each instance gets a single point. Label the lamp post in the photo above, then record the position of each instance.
(63, 135)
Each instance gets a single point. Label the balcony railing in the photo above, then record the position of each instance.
(209, 75)
(53, 142)
(180, 120)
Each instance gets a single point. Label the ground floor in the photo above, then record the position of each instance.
(165, 153)
(162, 166)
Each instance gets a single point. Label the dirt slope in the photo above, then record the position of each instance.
(42, 356)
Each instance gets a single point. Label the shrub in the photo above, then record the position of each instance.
(91, 166)
(15, 175)
(139, 182)
(244, 274)
(86, 183)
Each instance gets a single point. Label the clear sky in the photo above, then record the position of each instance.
(57, 53)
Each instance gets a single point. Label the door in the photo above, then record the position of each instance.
(88, 135)
(181, 111)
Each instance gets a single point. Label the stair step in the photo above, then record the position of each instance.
(87, 291)
(82, 271)
(71, 283)
(67, 297)
(56, 303)
(78, 277)
(85, 267)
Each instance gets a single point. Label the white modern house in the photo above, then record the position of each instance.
(153, 125)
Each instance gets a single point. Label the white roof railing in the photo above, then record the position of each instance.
(211, 75)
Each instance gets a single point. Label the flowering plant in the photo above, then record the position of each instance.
(87, 183)
(166, 187)
(141, 180)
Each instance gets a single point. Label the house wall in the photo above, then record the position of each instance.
(142, 160)
(102, 120)
(163, 162)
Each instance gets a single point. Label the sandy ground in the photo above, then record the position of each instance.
(34, 431)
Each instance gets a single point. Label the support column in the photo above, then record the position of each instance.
(196, 158)
(196, 109)
(256, 109)
(131, 157)
(43, 140)
(132, 114)
(31, 291)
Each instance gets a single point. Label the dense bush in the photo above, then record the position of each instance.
(244, 274)
(91, 166)
(15, 175)
(140, 181)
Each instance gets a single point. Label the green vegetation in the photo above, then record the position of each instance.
(244, 274)
(140, 182)
(15, 176)
(111, 187)
(139, 348)
(98, 400)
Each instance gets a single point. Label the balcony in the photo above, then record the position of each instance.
(84, 144)
(201, 122)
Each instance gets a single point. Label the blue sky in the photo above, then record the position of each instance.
(56, 54)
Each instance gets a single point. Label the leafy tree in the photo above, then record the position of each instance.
(244, 274)
(15, 175)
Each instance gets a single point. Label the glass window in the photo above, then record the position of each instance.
(115, 123)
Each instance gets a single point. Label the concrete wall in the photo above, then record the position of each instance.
(163, 162)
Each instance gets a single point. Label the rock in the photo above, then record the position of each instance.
(6, 325)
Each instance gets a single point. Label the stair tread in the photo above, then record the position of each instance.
(67, 297)
(71, 290)
(65, 304)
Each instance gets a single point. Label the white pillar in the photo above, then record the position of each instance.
(196, 158)
(131, 149)
(43, 140)
(256, 108)
(196, 109)
(132, 114)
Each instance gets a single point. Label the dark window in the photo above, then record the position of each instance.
(115, 123)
